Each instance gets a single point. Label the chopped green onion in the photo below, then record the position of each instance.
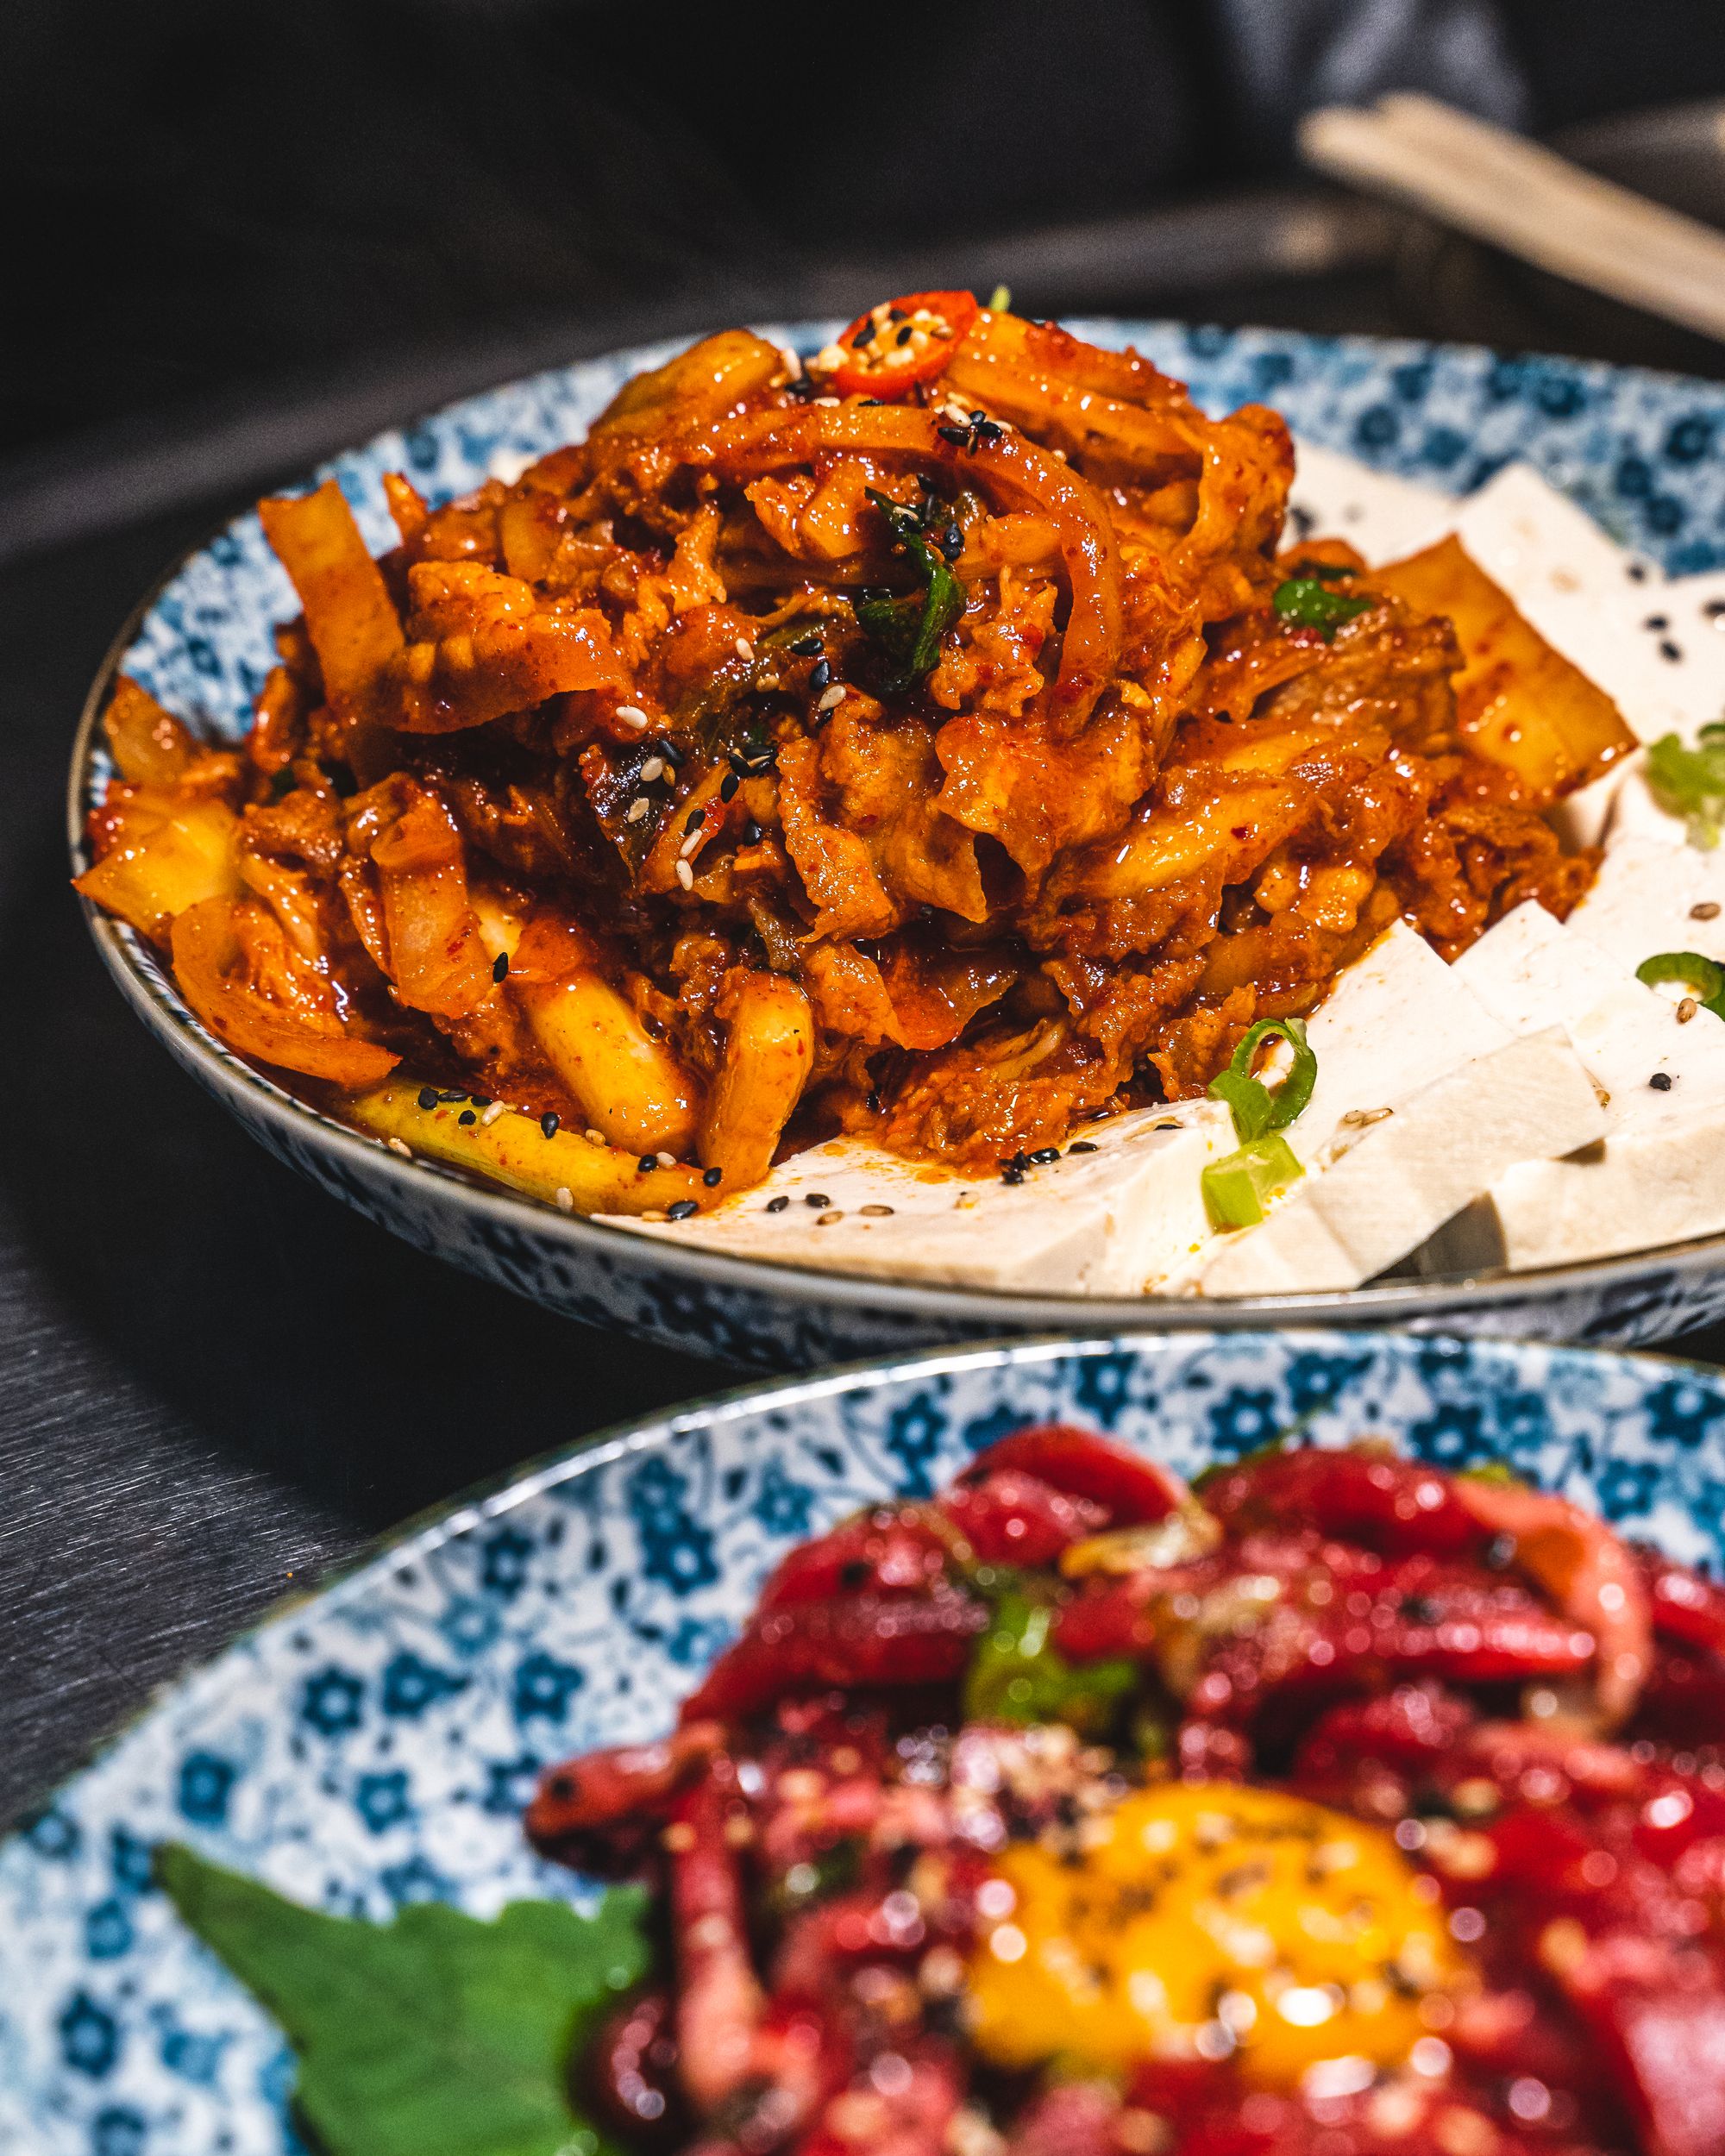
(1690, 782)
(1703, 978)
(1254, 1107)
(909, 630)
(1019, 1676)
(1236, 1187)
(1309, 603)
(1000, 299)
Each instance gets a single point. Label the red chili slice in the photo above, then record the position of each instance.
(863, 1639)
(889, 1550)
(1011, 1518)
(1394, 1507)
(901, 343)
(629, 1782)
(1130, 1490)
(1686, 1606)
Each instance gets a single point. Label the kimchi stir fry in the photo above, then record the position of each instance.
(940, 741)
(1334, 1807)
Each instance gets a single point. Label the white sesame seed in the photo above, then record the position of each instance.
(831, 698)
(830, 402)
(632, 715)
(793, 365)
(686, 875)
(491, 1113)
(400, 1145)
(954, 411)
(594, 1138)
(666, 1160)
(829, 360)
(655, 1212)
(653, 768)
(691, 846)
(637, 811)
(745, 650)
(566, 1199)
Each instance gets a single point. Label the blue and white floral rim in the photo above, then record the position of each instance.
(1634, 448)
(374, 1746)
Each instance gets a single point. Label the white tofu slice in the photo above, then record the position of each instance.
(1396, 1018)
(1647, 641)
(1410, 1171)
(1109, 1221)
(1336, 496)
(1660, 1175)
(1649, 897)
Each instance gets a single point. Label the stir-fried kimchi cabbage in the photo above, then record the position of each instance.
(944, 748)
(1334, 1807)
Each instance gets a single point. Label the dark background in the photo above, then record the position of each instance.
(239, 237)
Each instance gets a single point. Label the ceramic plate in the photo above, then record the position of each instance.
(374, 1745)
(1634, 448)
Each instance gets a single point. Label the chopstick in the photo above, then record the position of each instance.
(1528, 200)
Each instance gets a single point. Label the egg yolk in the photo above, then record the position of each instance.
(1208, 1921)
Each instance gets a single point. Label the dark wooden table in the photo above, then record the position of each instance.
(215, 1383)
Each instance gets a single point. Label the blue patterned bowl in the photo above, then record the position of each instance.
(374, 1745)
(1634, 448)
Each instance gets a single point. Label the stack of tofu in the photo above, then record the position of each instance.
(1531, 1105)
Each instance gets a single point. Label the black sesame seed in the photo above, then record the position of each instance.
(820, 675)
(903, 335)
(777, 1205)
(1638, 572)
(1043, 1155)
(467, 1116)
(958, 436)
(1010, 1174)
(695, 821)
(751, 833)
(478, 1100)
(682, 1209)
(673, 755)
(646, 1164)
(1083, 1145)
(1671, 651)
(987, 429)
(548, 1122)
(714, 1178)
(1715, 609)
(807, 647)
(817, 1198)
(728, 785)
(452, 1092)
(500, 968)
(952, 542)
(428, 1096)
(1661, 1081)
(1656, 621)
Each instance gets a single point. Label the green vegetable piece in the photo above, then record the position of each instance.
(909, 630)
(1690, 782)
(432, 2035)
(1705, 980)
(1000, 299)
(1017, 1677)
(1236, 1187)
(1254, 1107)
(1310, 603)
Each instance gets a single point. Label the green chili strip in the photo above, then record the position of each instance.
(1254, 1107)
(1310, 603)
(909, 630)
(1703, 978)
(1690, 782)
(1237, 1187)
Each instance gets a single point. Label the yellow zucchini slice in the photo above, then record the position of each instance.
(565, 1169)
